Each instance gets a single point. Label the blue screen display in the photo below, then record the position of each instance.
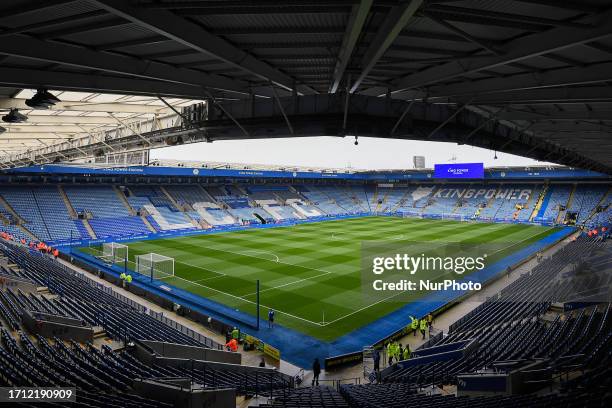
(459, 170)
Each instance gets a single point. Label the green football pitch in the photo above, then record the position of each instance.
(310, 273)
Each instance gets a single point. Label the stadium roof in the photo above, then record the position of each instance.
(529, 77)
(79, 113)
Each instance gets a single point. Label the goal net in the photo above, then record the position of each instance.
(451, 216)
(114, 253)
(155, 266)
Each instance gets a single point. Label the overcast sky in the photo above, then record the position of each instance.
(370, 154)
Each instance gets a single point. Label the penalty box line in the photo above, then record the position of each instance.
(247, 301)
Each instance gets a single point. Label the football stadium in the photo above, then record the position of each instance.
(305, 203)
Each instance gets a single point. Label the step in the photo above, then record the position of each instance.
(89, 229)
(99, 332)
(124, 200)
(147, 223)
(71, 211)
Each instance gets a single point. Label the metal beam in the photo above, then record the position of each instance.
(34, 136)
(7, 103)
(65, 119)
(131, 129)
(397, 18)
(401, 118)
(19, 45)
(47, 23)
(260, 9)
(191, 35)
(567, 5)
(224, 3)
(68, 81)
(553, 78)
(173, 109)
(38, 6)
(517, 50)
(496, 15)
(568, 127)
(282, 109)
(555, 115)
(130, 43)
(480, 43)
(359, 13)
(19, 128)
(583, 94)
(447, 120)
(83, 28)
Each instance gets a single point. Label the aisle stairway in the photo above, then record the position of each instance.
(539, 203)
(124, 200)
(69, 207)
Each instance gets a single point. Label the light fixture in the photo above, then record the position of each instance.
(14, 116)
(43, 99)
(495, 155)
(356, 141)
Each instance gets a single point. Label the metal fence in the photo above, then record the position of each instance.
(208, 342)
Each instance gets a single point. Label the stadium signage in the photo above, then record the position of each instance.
(260, 345)
(459, 170)
(508, 193)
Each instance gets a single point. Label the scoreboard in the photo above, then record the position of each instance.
(459, 170)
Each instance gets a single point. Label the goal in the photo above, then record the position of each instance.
(451, 216)
(114, 253)
(155, 266)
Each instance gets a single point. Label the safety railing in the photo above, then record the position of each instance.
(207, 341)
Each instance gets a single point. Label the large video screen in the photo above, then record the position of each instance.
(459, 170)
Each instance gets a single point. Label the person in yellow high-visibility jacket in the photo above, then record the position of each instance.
(423, 327)
(390, 353)
(406, 355)
(414, 325)
(396, 351)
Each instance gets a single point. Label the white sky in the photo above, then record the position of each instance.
(370, 154)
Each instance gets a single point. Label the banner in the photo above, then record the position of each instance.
(261, 346)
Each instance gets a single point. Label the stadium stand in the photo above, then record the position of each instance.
(48, 217)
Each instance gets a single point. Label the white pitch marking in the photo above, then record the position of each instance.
(290, 283)
(255, 251)
(246, 300)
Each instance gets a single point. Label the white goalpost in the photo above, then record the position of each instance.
(114, 252)
(155, 266)
(451, 216)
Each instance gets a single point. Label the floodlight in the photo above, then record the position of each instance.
(43, 99)
(14, 116)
